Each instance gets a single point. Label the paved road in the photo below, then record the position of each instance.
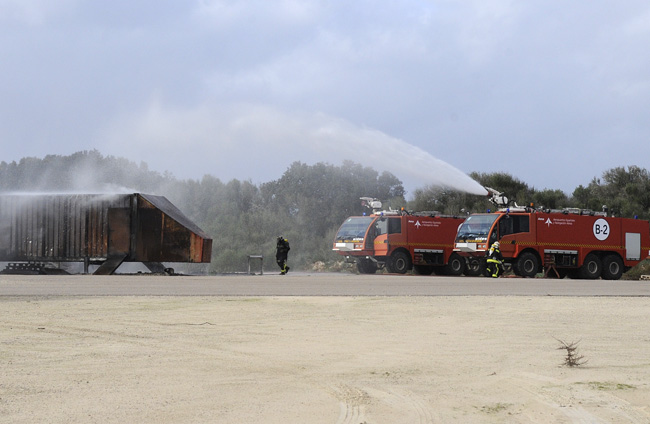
(304, 284)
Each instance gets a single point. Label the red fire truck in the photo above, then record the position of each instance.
(399, 241)
(573, 242)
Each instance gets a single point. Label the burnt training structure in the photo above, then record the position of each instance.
(97, 229)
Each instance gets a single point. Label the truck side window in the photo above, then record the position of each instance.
(512, 224)
(394, 225)
(521, 224)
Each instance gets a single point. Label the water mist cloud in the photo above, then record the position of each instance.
(384, 152)
(258, 142)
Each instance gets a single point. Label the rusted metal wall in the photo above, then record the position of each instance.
(90, 227)
(55, 227)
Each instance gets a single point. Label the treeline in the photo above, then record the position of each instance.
(623, 191)
(306, 204)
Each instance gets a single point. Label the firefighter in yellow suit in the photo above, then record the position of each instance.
(494, 261)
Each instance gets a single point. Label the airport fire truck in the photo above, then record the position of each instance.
(401, 241)
(574, 242)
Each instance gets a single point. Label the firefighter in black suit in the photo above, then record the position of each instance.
(281, 253)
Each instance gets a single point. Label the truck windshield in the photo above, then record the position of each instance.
(354, 228)
(476, 228)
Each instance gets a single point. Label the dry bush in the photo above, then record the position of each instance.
(572, 358)
(635, 273)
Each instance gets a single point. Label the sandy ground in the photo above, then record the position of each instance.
(323, 360)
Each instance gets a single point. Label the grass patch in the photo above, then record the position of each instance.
(609, 386)
(496, 408)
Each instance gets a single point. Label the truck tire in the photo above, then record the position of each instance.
(366, 266)
(455, 265)
(474, 267)
(591, 268)
(527, 264)
(612, 267)
(400, 263)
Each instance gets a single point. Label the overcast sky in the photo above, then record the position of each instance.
(552, 92)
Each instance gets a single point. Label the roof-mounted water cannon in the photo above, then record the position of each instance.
(497, 197)
(371, 203)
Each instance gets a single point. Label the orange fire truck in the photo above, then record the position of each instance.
(578, 243)
(399, 241)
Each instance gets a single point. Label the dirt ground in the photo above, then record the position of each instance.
(323, 360)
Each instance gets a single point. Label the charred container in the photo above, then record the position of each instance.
(99, 229)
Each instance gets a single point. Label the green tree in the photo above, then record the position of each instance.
(550, 199)
(624, 192)
(309, 202)
(318, 197)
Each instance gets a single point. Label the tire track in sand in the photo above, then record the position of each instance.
(354, 400)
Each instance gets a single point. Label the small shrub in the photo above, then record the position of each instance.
(635, 273)
(572, 358)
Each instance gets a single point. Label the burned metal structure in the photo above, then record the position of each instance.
(99, 229)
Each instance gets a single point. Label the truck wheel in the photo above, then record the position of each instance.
(366, 266)
(400, 263)
(527, 264)
(456, 265)
(475, 267)
(591, 268)
(612, 267)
